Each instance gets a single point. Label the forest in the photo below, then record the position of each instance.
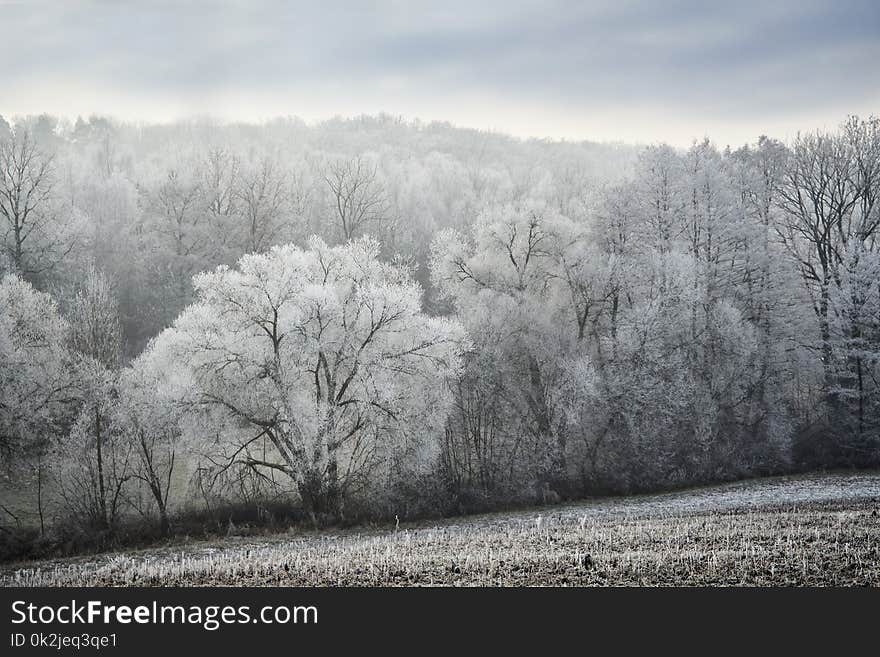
(207, 323)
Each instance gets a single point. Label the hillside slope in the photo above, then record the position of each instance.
(809, 530)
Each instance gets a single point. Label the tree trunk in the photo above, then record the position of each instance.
(539, 406)
(102, 494)
(164, 523)
(40, 494)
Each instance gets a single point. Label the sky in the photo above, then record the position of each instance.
(603, 70)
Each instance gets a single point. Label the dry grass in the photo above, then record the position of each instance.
(808, 531)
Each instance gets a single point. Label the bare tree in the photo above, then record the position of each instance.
(829, 199)
(180, 221)
(26, 187)
(155, 467)
(357, 194)
(264, 197)
(96, 335)
(219, 176)
(94, 320)
(175, 203)
(92, 467)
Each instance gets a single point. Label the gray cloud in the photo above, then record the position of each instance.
(625, 70)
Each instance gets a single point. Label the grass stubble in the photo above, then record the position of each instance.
(720, 536)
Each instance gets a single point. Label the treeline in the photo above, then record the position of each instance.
(404, 319)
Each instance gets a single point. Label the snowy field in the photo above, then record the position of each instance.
(822, 530)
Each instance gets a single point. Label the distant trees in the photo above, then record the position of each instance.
(357, 196)
(829, 197)
(94, 318)
(219, 172)
(32, 241)
(264, 197)
(627, 342)
(176, 237)
(175, 202)
(477, 320)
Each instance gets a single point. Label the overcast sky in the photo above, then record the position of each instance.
(603, 70)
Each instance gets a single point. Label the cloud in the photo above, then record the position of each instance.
(604, 70)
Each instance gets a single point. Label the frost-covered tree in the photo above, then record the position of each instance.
(828, 220)
(765, 285)
(264, 199)
(38, 385)
(94, 320)
(660, 196)
(829, 198)
(33, 228)
(175, 205)
(356, 195)
(219, 170)
(855, 344)
(91, 466)
(147, 423)
(324, 353)
(36, 378)
(502, 280)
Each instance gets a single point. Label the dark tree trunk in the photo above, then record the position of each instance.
(102, 494)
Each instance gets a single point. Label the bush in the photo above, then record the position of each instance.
(21, 543)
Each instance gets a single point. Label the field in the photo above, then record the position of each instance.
(816, 530)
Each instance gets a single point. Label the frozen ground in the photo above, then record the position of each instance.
(820, 529)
